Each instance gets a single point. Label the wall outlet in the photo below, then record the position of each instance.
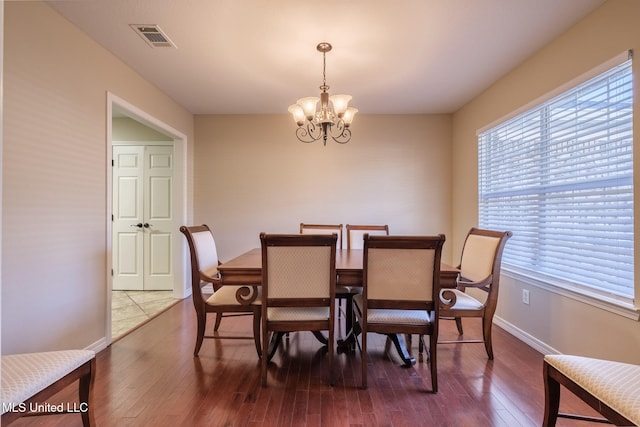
(525, 296)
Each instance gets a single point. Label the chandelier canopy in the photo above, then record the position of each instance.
(332, 119)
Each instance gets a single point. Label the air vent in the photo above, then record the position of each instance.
(153, 35)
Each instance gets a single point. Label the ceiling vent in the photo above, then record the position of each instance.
(153, 35)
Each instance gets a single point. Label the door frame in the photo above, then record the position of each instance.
(180, 290)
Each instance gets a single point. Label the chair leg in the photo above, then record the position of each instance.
(551, 398)
(433, 360)
(331, 345)
(265, 350)
(218, 320)
(256, 330)
(459, 325)
(85, 395)
(202, 323)
(363, 357)
(486, 333)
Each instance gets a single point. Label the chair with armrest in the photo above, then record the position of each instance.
(204, 270)
(401, 282)
(298, 289)
(479, 269)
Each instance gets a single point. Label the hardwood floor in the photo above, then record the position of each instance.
(150, 378)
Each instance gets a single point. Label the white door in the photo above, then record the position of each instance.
(142, 217)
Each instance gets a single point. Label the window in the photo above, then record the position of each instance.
(560, 177)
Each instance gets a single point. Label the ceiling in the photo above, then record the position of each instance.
(259, 56)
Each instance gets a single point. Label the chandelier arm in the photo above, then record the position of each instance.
(340, 134)
(309, 133)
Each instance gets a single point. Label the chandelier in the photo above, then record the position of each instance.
(332, 119)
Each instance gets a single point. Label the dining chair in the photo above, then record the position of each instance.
(479, 269)
(298, 289)
(323, 229)
(401, 282)
(342, 292)
(355, 234)
(204, 270)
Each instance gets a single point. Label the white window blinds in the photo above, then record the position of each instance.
(560, 177)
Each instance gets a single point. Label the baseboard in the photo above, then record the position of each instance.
(98, 346)
(528, 339)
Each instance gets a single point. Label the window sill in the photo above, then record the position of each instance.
(617, 305)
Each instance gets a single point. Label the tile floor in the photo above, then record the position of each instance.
(130, 309)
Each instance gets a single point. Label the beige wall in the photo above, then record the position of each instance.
(54, 257)
(552, 322)
(253, 175)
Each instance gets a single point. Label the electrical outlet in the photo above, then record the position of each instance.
(525, 296)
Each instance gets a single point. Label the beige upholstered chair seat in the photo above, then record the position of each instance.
(24, 375)
(226, 295)
(615, 384)
(298, 314)
(404, 317)
(463, 301)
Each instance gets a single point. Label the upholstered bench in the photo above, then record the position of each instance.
(611, 388)
(29, 379)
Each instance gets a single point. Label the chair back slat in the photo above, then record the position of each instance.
(400, 274)
(478, 256)
(206, 253)
(299, 271)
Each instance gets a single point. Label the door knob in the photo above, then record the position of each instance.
(139, 225)
(146, 225)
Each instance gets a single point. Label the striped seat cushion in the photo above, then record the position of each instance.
(395, 316)
(297, 314)
(24, 375)
(615, 384)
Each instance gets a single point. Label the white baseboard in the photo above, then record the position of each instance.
(99, 345)
(528, 339)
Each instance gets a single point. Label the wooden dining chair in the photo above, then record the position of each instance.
(342, 292)
(223, 302)
(355, 234)
(298, 289)
(401, 278)
(479, 269)
(323, 229)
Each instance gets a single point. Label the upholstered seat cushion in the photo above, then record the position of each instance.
(226, 295)
(405, 317)
(615, 384)
(463, 300)
(298, 314)
(24, 375)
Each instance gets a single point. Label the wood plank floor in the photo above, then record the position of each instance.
(150, 378)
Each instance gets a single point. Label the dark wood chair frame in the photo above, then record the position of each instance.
(198, 281)
(552, 381)
(490, 285)
(85, 375)
(281, 327)
(393, 330)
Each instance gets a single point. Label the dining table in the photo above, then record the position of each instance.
(246, 270)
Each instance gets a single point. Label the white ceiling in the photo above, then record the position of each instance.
(259, 56)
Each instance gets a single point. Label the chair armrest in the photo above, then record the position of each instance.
(463, 283)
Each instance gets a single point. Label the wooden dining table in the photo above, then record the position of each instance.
(246, 270)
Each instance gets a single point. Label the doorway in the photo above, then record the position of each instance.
(150, 255)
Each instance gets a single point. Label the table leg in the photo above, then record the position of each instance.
(401, 349)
